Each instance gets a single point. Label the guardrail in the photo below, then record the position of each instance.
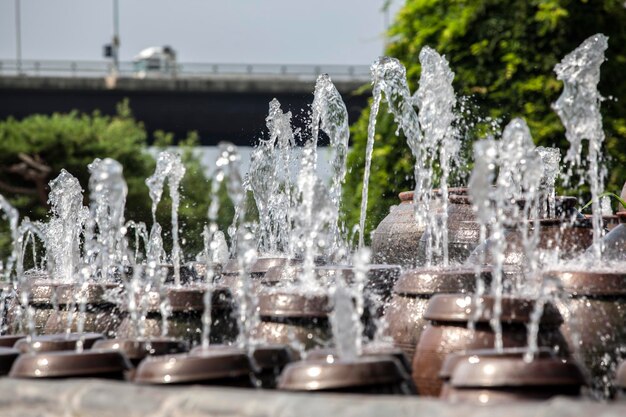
(34, 68)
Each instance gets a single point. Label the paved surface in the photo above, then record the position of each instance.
(91, 398)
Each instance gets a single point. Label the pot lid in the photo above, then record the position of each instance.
(265, 356)
(260, 266)
(373, 349)
(452, 192)
(590, 282)
(69, 364)
(186, 368)
(460, 308)
(137, 349)
(57, 342)
(427, 281)
(316, 375)
(293, 304)
(10, 339)
(493, 369)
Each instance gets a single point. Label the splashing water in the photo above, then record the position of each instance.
(108, 192)
(348, 308)
(271, 183)
(579, 110)
(435, 99)
(506, 173)
(169, 167)
(215, 246)
(247, 317)
(64, 228)
(13, 218)
(551, 158)
(330, 114)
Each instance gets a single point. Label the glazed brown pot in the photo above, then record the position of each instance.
(364, 375)
(57, 342)
(70, 364)
(615, 241)
(331, 355)
(225, 367)
(101, 315)
(268, 360)
(288, 316)
(492, 377)
(185, 323)
(569, 239)
(447, 332)
(41, 299)
(594, 310)
(137, 350)
(404, 314)
(9, 340)
(230, 272)
(463, 233)
(396, 238)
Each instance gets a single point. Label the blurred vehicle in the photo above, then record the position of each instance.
(155, 62)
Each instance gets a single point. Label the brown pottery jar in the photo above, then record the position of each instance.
(288, 316)
(364, 375)
(501, 377)
(448, 332)
(185, 322)
(100, 316)
(404, 314)
(594, 311)
(396, 238)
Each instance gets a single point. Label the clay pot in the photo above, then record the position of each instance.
(292, 316)
(10, 340)
(397, 236)
(364, 375)
(101, 315)
(594, 310)
(57, 342)
(374, 350)
(615, 241)
(230, 272)
(447, 332)
(555, 234)
(185, 322)
(463, 233)
(41, 298)
(137, 350)
(268, 360)
(70, 364)
(492, 377)
(224, 367)
(404, 314)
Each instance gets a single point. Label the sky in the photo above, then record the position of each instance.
(321, 32)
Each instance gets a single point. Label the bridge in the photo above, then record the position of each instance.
(219, 101)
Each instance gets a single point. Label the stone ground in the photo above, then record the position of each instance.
(91, 398)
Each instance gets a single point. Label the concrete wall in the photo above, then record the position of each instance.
(91, 398)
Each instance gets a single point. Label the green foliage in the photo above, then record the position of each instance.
(72, 141)
(503, 54)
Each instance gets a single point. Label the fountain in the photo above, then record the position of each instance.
(503, 290)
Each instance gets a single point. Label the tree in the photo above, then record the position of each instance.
(35, 149)
(503, 54)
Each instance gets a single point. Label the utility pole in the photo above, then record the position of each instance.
(116, 38)
(18, 37)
